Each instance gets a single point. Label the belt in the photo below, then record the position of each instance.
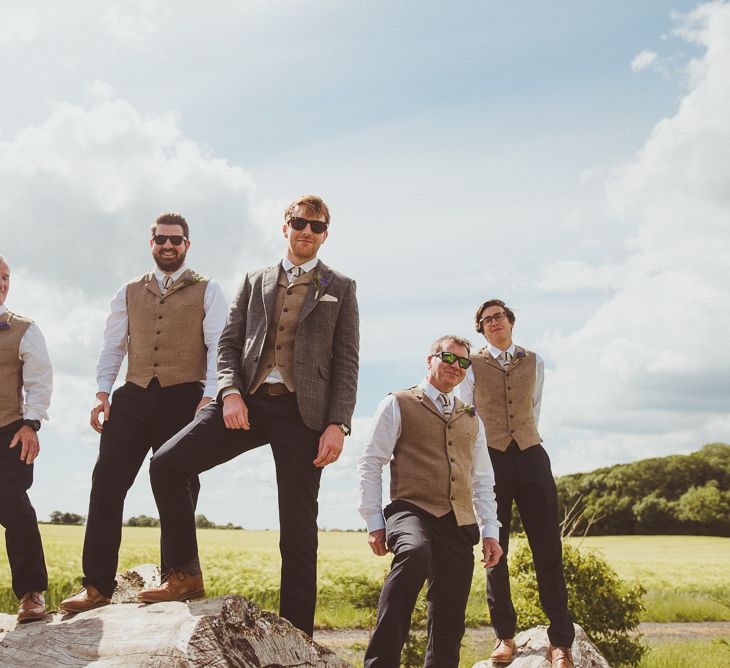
(273, 390)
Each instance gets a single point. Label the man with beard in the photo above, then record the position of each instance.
(167, 322)
(24, 370)
(287, 375)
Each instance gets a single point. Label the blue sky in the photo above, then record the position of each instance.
(567, 156)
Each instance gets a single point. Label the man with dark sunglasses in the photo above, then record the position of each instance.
(442, 499)
(167, 322)
(287, 376)
(505, 382)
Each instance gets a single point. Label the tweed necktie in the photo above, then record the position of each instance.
(294, 273)
(445, 403)
(505, 358)
(166, 284)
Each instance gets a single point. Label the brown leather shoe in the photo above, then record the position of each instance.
(560, 657)
(178, 586)
(87, 599)
(504, 651)
(32, 607)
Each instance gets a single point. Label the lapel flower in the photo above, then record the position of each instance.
(193, 278)
(4, 326)
(521, 353)
(467, 408)
(320, 283)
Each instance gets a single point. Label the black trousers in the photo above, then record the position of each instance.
(207, 443)
(526, 477)
(140, 419)
(22, 538)
(424, 547)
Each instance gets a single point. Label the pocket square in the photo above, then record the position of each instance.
(328, 298)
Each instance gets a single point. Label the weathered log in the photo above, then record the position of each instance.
(225, 631)
(532, 646)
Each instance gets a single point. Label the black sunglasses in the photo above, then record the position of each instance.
(318, 226)
(175, 239)
(450, 358)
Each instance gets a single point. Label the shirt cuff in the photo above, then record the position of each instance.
(230, 390)
(104, 386)
(490, 531)
(210, 390)
(375, 522)
(34, 414)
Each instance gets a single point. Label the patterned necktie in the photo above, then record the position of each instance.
(166, 284)
(446, 403)
(294, 273)
(505, 358)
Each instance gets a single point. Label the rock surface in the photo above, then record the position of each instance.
(532, 646)
(225, 631)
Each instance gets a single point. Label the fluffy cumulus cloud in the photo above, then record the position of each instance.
(643, 60)
(649, 372)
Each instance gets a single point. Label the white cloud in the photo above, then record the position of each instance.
(649, 372)
(643, 60)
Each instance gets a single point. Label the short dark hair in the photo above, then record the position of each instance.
(438, 345)
(171, 218)
(313, 204)
(493, 302)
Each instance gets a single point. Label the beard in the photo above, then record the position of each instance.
(171, 263)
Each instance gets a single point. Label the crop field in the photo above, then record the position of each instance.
(683, 575)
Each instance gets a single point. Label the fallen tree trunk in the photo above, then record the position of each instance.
(225, 631)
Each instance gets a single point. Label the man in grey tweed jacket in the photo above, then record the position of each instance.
(287, 376)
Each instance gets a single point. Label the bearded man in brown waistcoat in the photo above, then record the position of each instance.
(442, 500)
(167, 322)
(26, 381)
(505, 383)
(287, 376)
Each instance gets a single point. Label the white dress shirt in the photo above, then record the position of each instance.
(37, 372)
(116, 333)
(465, 390)
(378, 452)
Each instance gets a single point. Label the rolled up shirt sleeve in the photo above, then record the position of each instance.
(484, 500)
(37, 374)
(216, 313)
(376, 454)
(116, 339)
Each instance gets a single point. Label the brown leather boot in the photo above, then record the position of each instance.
(504, 651)
(178, 586)
(32, 607)
(560, 657)
(87, 599)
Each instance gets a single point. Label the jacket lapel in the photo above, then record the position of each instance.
(490, 360)
(268, 290)
(321, 282)
(425, 400)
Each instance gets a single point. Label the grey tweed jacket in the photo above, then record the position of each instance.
(326, 346)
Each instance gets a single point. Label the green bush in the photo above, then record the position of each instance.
(606, 608)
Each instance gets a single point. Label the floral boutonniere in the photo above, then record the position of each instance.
(4, 326)
(320, 283)
(193, 278)
(467, 408)
(521, 354)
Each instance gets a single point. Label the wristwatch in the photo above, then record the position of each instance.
(35, 425)
(343, 428)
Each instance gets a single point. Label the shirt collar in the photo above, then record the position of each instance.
(3, 308)
(433, 392)
(496, 352)
(160, 275)
(307, 266)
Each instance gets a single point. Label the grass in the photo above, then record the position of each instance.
(681, 573)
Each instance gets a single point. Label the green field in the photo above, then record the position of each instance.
(682, 574)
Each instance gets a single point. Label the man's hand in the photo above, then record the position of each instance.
(492, 551)
(203, 402)
(376, 541)
(235, 412)
(330, 446)
(28, 439)
(101, 406)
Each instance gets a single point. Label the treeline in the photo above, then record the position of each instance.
(678, 494)
(201, 522)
